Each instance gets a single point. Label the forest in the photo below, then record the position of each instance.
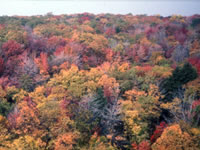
(99, 82)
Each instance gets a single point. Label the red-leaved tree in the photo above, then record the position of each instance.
(157, 133)
(195, 61)
(12, 48)
(1, 66)
(13, 56)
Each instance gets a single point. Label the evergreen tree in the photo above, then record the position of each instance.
(173, 84)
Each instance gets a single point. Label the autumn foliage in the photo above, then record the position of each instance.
(174, 138)
(196, 63)
(12, 48)
(42, 63)
(1, 66)
(99, 82)
(158, 131)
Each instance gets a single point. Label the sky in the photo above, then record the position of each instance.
(136, 7)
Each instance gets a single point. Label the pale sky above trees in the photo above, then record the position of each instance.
(148, 7)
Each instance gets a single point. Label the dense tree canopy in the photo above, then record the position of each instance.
(100, 82)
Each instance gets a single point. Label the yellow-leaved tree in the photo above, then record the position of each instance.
(174, 138)
(139, 108)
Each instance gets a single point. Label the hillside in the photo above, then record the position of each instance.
(99, 82)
